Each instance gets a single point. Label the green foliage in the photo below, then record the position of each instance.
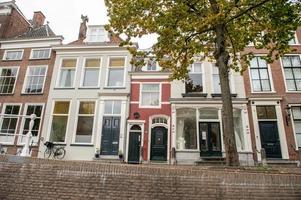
(186, 28)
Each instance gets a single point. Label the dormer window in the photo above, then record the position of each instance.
(151, 65)
(13, 55)
(97, 34)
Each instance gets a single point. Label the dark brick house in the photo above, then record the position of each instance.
(274, 94)
(25, 74)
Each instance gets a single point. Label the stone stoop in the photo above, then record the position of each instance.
(282, 163)
(107, 160)
(211, 161)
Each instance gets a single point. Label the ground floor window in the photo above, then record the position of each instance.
(186, 128)
(9, 123)
(238, 128)
(32, 109)
(296, 111)
(59, 121)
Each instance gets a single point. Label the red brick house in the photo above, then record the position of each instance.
(149, 129)
(274, 94)
(25, 74)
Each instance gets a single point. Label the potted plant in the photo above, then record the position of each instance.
(97, 153)
(120, 155)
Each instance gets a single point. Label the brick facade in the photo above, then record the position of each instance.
(285, 98)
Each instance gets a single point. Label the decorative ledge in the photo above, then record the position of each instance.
(220, 95)
(194, 95)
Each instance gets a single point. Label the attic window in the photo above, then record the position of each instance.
(97, 34)
(13, 55)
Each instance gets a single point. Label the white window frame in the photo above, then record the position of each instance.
(76, 121)
(231, 81)
(112, 114)
(192, 71)
(270, 78)
(106, 34)
(5, 54)
(146, 67)
(37, 49)
(83, 72)
(283, 73)
(140, 95)
(51, 118)
(296, 39)
(124, 71)
(16, 79)
(24, 118)
(26, 79)
(293, 124)
(18, 119)
(60, 70)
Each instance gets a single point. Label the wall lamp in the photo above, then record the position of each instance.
(288, 114)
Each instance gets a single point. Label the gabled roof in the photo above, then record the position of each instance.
(38, 32)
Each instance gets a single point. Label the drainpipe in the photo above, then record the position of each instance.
(25, 150)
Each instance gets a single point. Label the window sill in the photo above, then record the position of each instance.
(220, 95)
(82, 145)
(107, 87)
(7, 94)
(33, 59)
(59, 144)
(293, 92)
(191, 94)
(64, 88)
(23, 94)
(11, 60)
(88, 88)
(264, 92)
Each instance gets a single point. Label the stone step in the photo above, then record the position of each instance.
(282, 163)
(212, 160)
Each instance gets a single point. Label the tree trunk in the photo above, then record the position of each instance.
(222, 58)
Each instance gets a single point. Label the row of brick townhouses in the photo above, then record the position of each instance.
(89, 98)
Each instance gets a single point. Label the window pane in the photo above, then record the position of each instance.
(84, 129)
(266, 112)
(58, 128)
(117, 62)
(265, 85)
(208, 113)
(286, 61)
(296, 61)
(61, 107)
(112, 107)
(151, 65)
(91, 77)
(264, 74)
(238, 128)
(13, 55)
(92, 62)
(296, 110)
(298, 136)
(69, 63)
(290, 85)
(117, 107)
(186, 129)
(197, 67)
(41, 53)
(288, 73)
(297, 73)
(108, 107)
(261, 112)
(298, 83)
(86, 107)
(262, 63)
(7, 80)
(253, 63)
(67, 78)
(271, 112)
(254, 74)
(116, 77)
(35, 79)
(151, 87)
(256, 85)
(216, 84)
(195, 83)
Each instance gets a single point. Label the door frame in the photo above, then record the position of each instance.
(129, 125)
(220, 153)
(281, 131)
(150, 126)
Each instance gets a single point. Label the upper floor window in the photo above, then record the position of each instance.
(67, 72)
(151, 64)
(97, 34)
(293, 40)
(216, 84)
(195, 81)
(260, 75)
(91, 72)
(292, 71)
(13, 55)
(35, 78)
(8, 77)
(116, 72)
(40, 54)
(150, 95)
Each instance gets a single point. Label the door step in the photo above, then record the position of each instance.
(107, 160)
(282, 163)
(211, 160)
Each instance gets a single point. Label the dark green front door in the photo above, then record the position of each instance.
(158, 144)
(110, 136)
(270, 138)
(134, 147)
(210, 139)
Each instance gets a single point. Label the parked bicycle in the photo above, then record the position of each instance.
(58, 152)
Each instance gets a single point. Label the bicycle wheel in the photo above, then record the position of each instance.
(59, 153)
(47, 153)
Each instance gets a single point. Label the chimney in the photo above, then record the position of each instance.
(38, 19)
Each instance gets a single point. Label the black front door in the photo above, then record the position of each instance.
(210, 139)
(110, 136)
(159, 144)
(270, 138)
(134, 147)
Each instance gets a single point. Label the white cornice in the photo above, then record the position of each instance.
(30, 43)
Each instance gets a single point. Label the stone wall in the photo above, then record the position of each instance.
(31, 178)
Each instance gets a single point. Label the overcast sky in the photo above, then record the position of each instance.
(64, 16)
